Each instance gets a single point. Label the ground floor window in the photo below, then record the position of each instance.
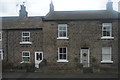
(26, 56)
(0, 35)
(106, 54)
(1, 54)
(62, 55)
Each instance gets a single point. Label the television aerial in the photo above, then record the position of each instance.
(18, 5)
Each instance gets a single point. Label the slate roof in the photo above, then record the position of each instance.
(16, 22)
(82, 15)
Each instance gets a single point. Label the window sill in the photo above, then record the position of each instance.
(62, 61)
(25, 42)
(24, 62)
(106, 61)
(62, 38)
(107, 37)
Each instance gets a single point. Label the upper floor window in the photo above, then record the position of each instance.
(62, 55)
(25, 38)
(26, 56)
(107, 30)
(0, 36)
(62, 31)
(106, 55)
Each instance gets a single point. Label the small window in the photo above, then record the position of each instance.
(26, 56)
(1, 54)
(62, 55)
(106, 54)
(25, 36)
(62, 31)
(107, 30)
(0, 36)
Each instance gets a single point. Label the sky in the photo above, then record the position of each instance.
(41, 7)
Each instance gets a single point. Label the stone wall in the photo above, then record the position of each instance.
(13, 49)
(80, 34)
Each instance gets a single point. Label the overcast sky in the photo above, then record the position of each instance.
(41, 7)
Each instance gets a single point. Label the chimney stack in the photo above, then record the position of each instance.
(109, 5)
(22, 12)
(51, 7)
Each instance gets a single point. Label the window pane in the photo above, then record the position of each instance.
(104, 33)
(60, 33)
(25, 34)
(62, 28)
(37, 56)
(26, 59)
(62, 56)
(106, 57)
(60, 50)
(25, 39)
(106, 30)
(107, 33)
(64, 50)
(64, 34)
(40, 56)
(26, 54)
(106, 53)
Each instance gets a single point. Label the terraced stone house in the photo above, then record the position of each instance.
(86, 37)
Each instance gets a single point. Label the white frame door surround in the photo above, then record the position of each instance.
(38, 58)
(85, 57)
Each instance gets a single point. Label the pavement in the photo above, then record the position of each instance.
(56, 75)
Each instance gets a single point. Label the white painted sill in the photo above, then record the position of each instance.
(62, 38)
(107, 37)
(106, 61)
(24, 62)
(25, 42)
(62, 61)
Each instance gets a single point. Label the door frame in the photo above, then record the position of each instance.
(81, 54)
(39, 52)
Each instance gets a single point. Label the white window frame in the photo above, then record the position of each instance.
(110, 54)
(62, 60)
(1, 57)
(61, 25)
(26, 42)
(25, 56)
(0, 35)
(107, 37)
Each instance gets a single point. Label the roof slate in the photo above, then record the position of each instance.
(82, 15)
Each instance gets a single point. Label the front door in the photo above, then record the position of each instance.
(84, 57)
(38, 58)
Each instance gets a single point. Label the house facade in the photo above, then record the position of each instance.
(62, 38)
